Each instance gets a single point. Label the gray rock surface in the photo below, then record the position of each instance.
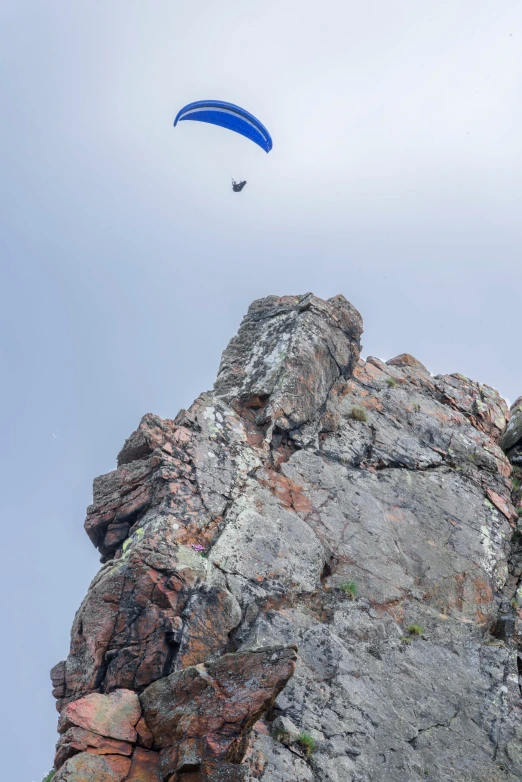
(513, 434)
(363, 511)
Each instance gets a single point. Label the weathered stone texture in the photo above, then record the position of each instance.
(362, 512)
(513, 434)
(205, 713)
(114, 715)
(144, 766)
(87, 767)
(76, 740)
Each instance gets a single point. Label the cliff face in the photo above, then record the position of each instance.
(312, 574)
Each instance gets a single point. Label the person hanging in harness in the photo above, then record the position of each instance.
(237, 187)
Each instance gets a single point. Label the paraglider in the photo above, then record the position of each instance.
(227, 115)
(231, 117)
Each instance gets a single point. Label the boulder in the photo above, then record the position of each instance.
(114, 715)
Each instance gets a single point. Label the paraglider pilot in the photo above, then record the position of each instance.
(229, 116)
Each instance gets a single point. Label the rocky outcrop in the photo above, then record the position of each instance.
(198, 721)
(362, 513)
(203, 715)
(512, 442)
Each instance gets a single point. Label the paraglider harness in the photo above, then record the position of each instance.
(237, 187)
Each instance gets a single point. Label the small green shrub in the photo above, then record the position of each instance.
(417, 630)
(349, 588)
(519, 511)
(307, 743)
(406, 639)
(514, 604)
(516, 484)
(416, 407)
(359, 414)
(49, 776)
(391, 382)
(280, 735)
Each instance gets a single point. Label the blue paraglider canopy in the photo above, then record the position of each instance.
(229, 116)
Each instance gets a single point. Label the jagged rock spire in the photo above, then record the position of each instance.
(359, 512)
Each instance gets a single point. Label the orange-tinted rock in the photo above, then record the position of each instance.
(483, 405)
(129, 631)
(144, 767)
(499, 502)
(123, 633)
(113, 715)
(116, 534)
(145, 737)
(405, 359)
(206, 712)
(78, 739)
(153, 432)
(119, 497)
(87, 767)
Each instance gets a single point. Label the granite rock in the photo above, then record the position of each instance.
(365, 513)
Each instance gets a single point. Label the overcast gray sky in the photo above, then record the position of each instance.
(127, 261)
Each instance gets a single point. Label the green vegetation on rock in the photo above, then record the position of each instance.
(359, 414)
(306, 743)
(350, 588)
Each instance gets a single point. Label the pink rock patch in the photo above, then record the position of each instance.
(500, 503)
(114, 715)
(77, 740)
(86, 767)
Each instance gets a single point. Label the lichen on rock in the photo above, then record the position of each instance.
(265, 555)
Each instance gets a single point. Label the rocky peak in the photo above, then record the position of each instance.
(288, 353)
(314, 573)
